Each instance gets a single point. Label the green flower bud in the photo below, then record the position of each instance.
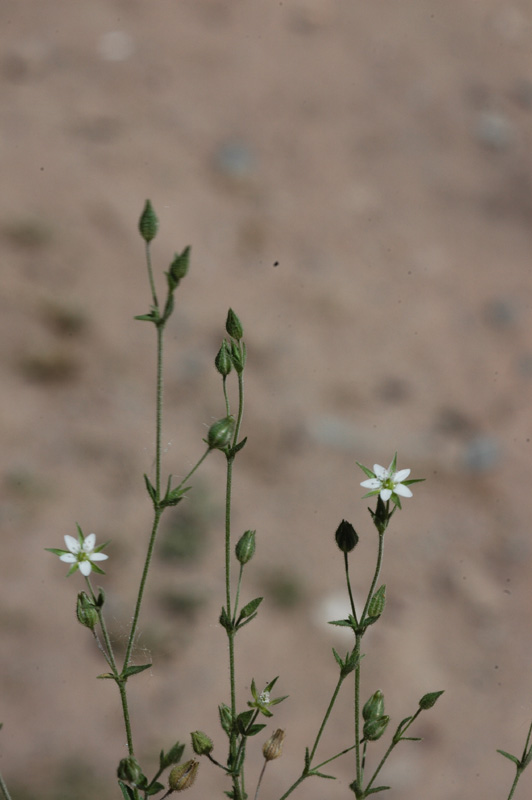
(233, 326)
(374, 707)
(428, 700)
(346, 536)
(148, 223)
(226, 717)
(201, 744)
(377, 602)
(238, 356)
(273, 748)
(220, 433)
(223, 362)
(374, 728)
(183, 776)
(86, 611)
(129, 770)
(245, 548)
(178, 267)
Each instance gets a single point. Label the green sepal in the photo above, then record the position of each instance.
(173, 756)
(134, 670)
(96, 568)
(377, 789)
(56, 551)
(429, 699)
(510, 757)
(173, 496)
(127, 792)
(368, 472)
(100, 600)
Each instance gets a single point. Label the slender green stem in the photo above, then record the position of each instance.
(375, 576)
(294, 785)
(237, 598)
(240, 407)
(326, 717)
(514, 784)
(3, 787)
(358, 764)
(150, 275)
(159, 411)
(393, 744)
(333, 758)
(348, 581)
(260, 779)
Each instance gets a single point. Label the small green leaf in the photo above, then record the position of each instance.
(510, 757)
(250, 608)
(377, 789)
(127, 792)
(150, 487)
(134, 670)
(106, 675)
(155, 789)
(344, 623)
(257, 727)
(239, 446)
(173, 756)
(321, 775)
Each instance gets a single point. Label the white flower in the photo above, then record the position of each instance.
(81, 553)
(388, 482)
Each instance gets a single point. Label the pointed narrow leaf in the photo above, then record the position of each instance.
(377, 789)
(250, 607)
(321, 775)
(127, 793)
(341, 623)
(155, 789)
(150, 487)
(510, 757)
(134, 670)
(257, 727)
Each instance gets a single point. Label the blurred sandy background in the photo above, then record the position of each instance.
(355, 179)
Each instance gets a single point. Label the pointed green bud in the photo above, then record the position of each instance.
(375, 727)
(220, 433)
(380, 516)
(223, 362)
(374, 707)
(346, 536)
(233, 326)
(377, 602)
(183, 776)
(148, 222)
(129, 770)
(428, 700)
(86, 611)
(245, 548)
(178, 267)
(201, 744)
(238, 356)
(226, 717)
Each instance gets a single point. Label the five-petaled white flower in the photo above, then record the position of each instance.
(81, 553)
(387, 482)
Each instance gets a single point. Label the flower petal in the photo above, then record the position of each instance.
(372, 483)
(70, 558)
(89, 543)
(85, 568)
(380, 472)
(98, 556)
(72, 544)
(400, 476)
(386, 494)
(404, 491)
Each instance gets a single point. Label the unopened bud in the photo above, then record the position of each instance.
(129, 770)
(220, 433)
(148, 223)
(346, 536)
(374, 728)
(233, 326)
(179, 266)
(428, 700)
(86, 611)
(201, 744)
(274, 746)
(245, 548)
(374, 707)
(183, 776)
(223, 362)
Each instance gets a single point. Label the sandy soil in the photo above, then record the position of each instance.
(355, 179)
